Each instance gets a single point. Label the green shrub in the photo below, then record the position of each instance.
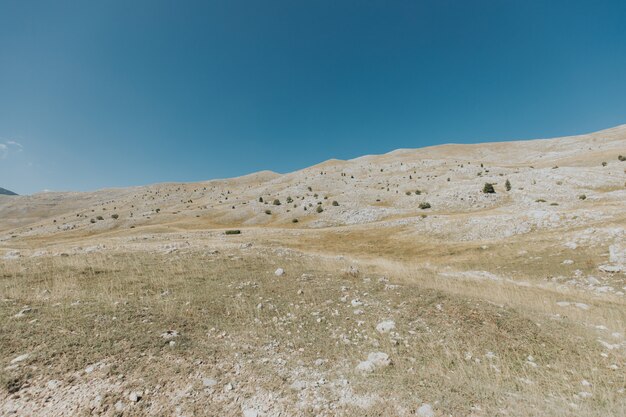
(115, 216)
(335, 203)
(294, 221)
(268, 211)
(260, 199)
(319, 209)
(507, 185)
(488, 188)
(289, 200)
(621, 158)
(408, 193)
(92, 220)
(276, 202)
(582, 197)
(603, 164)
(99, 218)
(232, 232)
(418, 192)
(424, 206)
(540, 200)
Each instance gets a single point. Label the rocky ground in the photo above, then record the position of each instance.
(340, 293)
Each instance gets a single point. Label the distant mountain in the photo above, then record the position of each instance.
(4, 191)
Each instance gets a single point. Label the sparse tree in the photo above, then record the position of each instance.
(507, 185)
(488, 188)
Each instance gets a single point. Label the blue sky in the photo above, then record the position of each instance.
(118, 93)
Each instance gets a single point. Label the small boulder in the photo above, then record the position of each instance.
(385, 326)
(425, 410)
(279, 272)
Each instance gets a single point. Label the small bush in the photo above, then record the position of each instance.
(540, 200)
(603, 164)
(99, 218)
(232, 232)
(276, 202)
(268, 212)
(319, 209)
(488, 188)
(294, 221)
(424, 206)
(260, 199)
(621, 158)
(92, 220)
(418, 192)
(554, 204)
(158, 210)
(289, 200)
(408, 193)
(335, 203)
(507, 185)
(582, 197)
(115, 216)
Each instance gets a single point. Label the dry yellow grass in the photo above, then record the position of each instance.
(240, 324)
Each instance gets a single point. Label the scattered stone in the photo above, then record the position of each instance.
(425, 410)
(250, 412)
(20, 358)
(170, 334)
(209, 382)
(298, 385)
(53, 384)
(23, 312)
(385, 326)
(135, 396)
(279, 272)
(610, 268)
(375, 360)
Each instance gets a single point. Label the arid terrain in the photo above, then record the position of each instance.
(385, 285)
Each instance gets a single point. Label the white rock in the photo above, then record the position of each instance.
(610, 268)
(425, 410)
(279, 272)
(379, 359)
(250, 412)
(135, 396)
(385, 326)
(23, 312)
(298, 385)
(53, 384)
(365, 366)
(20, 358)
(209, 382)
(170, 334)
(119, 406)
(617, 254)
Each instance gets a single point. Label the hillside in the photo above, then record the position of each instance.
(386, 284)
(4, 191)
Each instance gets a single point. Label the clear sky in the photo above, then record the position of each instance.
(96, 94)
